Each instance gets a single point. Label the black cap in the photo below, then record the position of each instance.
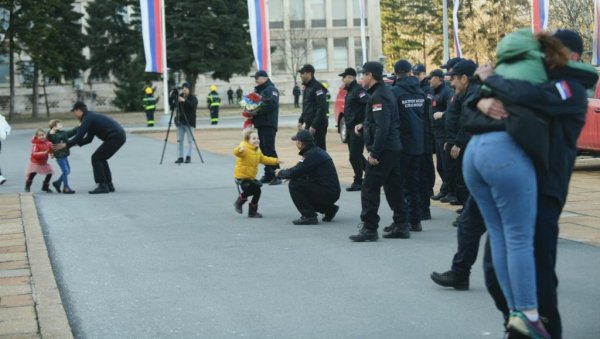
(571, 39)
(79, 105)
(419, 68)
(348, 71)
(402, 66)
(304, 136)
(373, 67)
(464, 67)
(450, 63)
(260, 73)
(308, 68)
(437, 73)
(186, 84)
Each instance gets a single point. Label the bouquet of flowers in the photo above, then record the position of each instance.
(251, 104)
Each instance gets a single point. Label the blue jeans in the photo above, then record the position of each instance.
(182, 130)
(63, 163)
(502, 180)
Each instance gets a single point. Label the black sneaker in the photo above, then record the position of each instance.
(275, 181)
(179, 161)
(100, 188)
(188, 159)
(451, 279)
(56, 185)
(397, 231)
(329, 215)
(354, 187)
(438, 196)
(448, 198)
(306, 221)
(111, 187)
(416, 228)
(364, 234)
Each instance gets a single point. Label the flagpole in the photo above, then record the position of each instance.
(363, 36)
(164, 59)
(445, 30)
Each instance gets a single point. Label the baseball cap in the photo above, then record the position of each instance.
(571, 39)
(464, 67)
(79, 105)
(402, 66)
(348, 71)
(419, 68)
(304, 136)
(373, 67)
(260, 73)
(451, 62)
(308, 68)
(437, 73)
(186, 84)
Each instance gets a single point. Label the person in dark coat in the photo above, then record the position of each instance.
(314, 185)
(266, 122)
(355, 103)
(107, 130)
(296, 92)
(230, 96)
(185, 120)
(314, 106)
(439, 104)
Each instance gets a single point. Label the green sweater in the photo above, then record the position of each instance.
(60, 137)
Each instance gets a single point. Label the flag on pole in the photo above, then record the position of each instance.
(151, 13)
(596, 44)
(363, 39)
(539, 14)
(259, 33)
(457, 48)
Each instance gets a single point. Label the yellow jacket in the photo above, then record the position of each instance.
(246, 162)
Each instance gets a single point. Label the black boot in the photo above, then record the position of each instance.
(179, 161)
(29, 181)
(111, 187)
(451, 279)
(364, 234)
(46, 184)
(100, 188)
(252, 211)
(397, 231)
(188, 159)
(238, 204)
(306, 221)
(330, 213)
(56, 185)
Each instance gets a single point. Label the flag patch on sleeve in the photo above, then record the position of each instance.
(275, 94)
(362, 94)
(563, 90)
(377, 107)
(319, 92)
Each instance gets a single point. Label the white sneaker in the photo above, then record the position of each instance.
(2, 179)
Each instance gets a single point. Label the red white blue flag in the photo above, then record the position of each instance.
(259, 33)
(539, 14)
(457, 48)
(596, 44)
(151, 13)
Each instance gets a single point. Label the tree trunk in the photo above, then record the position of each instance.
(46, 97)
(36, 90)
(11, 64)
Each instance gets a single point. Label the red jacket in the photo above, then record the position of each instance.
(40, 150)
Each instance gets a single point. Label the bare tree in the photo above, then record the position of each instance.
(293, 43)
(577, 15)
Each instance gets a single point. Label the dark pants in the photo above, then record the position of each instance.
(455, 181)
(386, 174)
(150, 116)
(440, 162)
(451, 170)
(214, 115)
(310, 197)
(100, 158)
(545, 243)
(250, 188)
(470, 229)
(427, 181)
(319, 136)
(267, 146)
(230, 99)
(356, 146)
(410, 172)
(296, 101)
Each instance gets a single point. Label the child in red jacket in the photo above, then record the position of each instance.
(38, 162)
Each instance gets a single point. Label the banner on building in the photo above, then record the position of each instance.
(259, 33)
(151, 15)
(539, 14)
(457, 48)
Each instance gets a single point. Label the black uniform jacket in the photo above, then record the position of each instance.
(411, 106)
(186, 113)
(268, 115)
(455, 132)
(354, 105)
(316, 166)
(96, 125)
(381, 128)
(440, 102)
(314, 105)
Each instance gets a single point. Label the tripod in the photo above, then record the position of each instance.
(191, 133)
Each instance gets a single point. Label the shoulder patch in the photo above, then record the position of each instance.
(275, 94)
(429, 96)
(377, 107)
(563, 90)
(362, 94)
(319, 92)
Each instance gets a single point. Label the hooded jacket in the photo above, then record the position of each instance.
(246, 162)
(411, 106)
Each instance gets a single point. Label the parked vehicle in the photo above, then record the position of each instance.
(589, 140)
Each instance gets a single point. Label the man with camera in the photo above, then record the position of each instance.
(185, 105)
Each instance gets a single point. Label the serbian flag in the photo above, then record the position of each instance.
(151, 13)
(539, 14)
(259, 33)
(457, 48)
(596, 46)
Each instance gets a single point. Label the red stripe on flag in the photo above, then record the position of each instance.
(266, 43)
(158, 35)
(537, 20)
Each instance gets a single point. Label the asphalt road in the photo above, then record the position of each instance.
(167, 257)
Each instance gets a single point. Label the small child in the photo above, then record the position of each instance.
(57, 135)
(248, 156)
(38, 163)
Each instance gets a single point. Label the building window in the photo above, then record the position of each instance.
(297, 14)
(357, 13)
(340, 53)
(276, 13)
(4, 69)
(339, 13)
(319, 53)
(358, 51)
(317, 7)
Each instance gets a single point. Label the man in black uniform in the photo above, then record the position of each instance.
(314, 185)
(296, 93)
(439, 104)
(314, 106)
(107, 130)
(230, 96)
(266, 122)
(354, 114)
(381, 131)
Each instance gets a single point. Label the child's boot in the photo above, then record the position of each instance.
(28, 182)
(46, 184)
(252, 211)
(238, 204)
(56, 185)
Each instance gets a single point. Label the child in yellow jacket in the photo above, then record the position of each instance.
(248, 157)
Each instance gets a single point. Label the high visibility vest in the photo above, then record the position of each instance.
(213, 99)
(149, 103)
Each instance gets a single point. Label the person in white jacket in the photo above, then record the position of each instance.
(4, 132)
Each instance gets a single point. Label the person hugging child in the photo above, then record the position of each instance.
(57, 135)
(248, 156)
(38, 162)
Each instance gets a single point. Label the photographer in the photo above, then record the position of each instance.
(185, 104)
